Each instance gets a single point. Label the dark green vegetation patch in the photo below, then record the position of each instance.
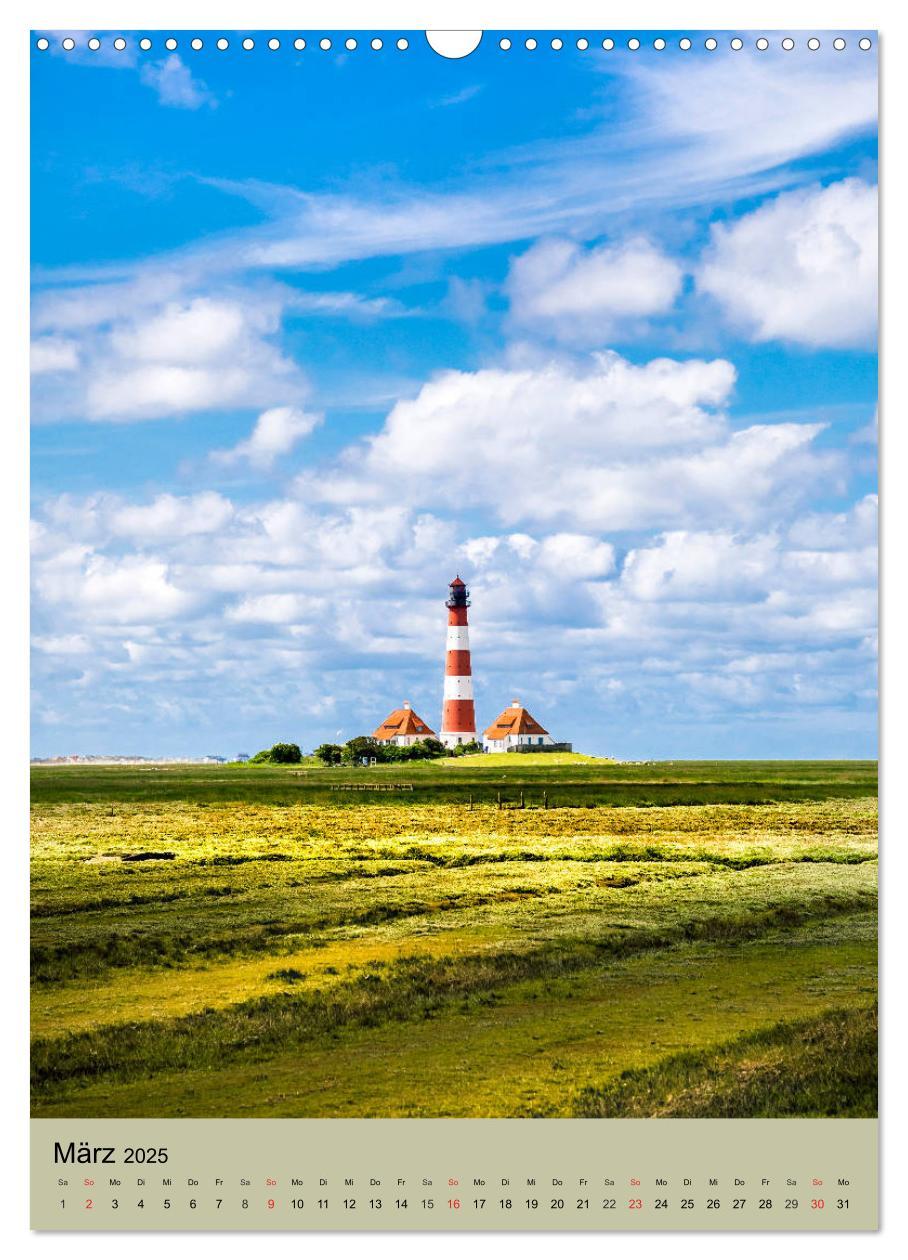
(575, 783)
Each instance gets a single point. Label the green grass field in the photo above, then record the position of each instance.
(492, 936)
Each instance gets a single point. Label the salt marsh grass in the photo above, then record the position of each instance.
(194, 955)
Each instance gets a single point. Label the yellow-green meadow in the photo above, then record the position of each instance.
(257, 943)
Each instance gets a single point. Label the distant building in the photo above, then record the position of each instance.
(403, 727)
(515, 728)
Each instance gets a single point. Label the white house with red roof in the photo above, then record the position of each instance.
(403, 727)
(515, 728)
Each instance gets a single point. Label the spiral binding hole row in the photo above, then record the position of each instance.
(68, 43)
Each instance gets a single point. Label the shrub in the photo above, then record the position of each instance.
(422, 750)
(464, 750)
(362, 746)
(285, 754)
(277, 755)
(330, 754)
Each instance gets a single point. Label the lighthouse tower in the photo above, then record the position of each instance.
(458, 721)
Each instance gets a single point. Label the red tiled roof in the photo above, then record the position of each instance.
(514, 721)
(403, 722)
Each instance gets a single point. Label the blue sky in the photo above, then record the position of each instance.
(315, 329)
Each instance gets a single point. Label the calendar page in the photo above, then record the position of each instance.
(454, 781)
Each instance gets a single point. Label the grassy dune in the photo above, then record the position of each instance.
(193, 957)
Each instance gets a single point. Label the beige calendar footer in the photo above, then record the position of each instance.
(454, 1174)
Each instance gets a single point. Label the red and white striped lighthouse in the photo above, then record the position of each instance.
(458, 721)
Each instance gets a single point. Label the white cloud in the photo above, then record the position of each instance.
(144, 351)
(71, 517)
(288, 602)
(576, 557)
(276, 433)
(133, 590)
(833, 530)
(566, 557)
(80, 307)
(165, 343)
(171, 517)
(63, 644)
(203, 330)
(100, 519)
(353, 305)
(556, 413)
(279, 609)
(164, 389)
(707, 567)
(354, 539)
(585, 297)
(175, 85)
(802, 267)
(118, 590)
(721, 118)
(195, 356)
(53, 354)
(594, 444)
(812, 570)
(688, 566)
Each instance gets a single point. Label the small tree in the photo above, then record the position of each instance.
(330, 754)
(285, 754)
(362, 746)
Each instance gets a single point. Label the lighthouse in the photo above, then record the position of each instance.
(458, 721)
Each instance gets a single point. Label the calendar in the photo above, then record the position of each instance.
(458, 1175)
(454, 769)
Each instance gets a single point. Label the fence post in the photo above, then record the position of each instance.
(499, 798)
(522, 806)
(545, 800)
